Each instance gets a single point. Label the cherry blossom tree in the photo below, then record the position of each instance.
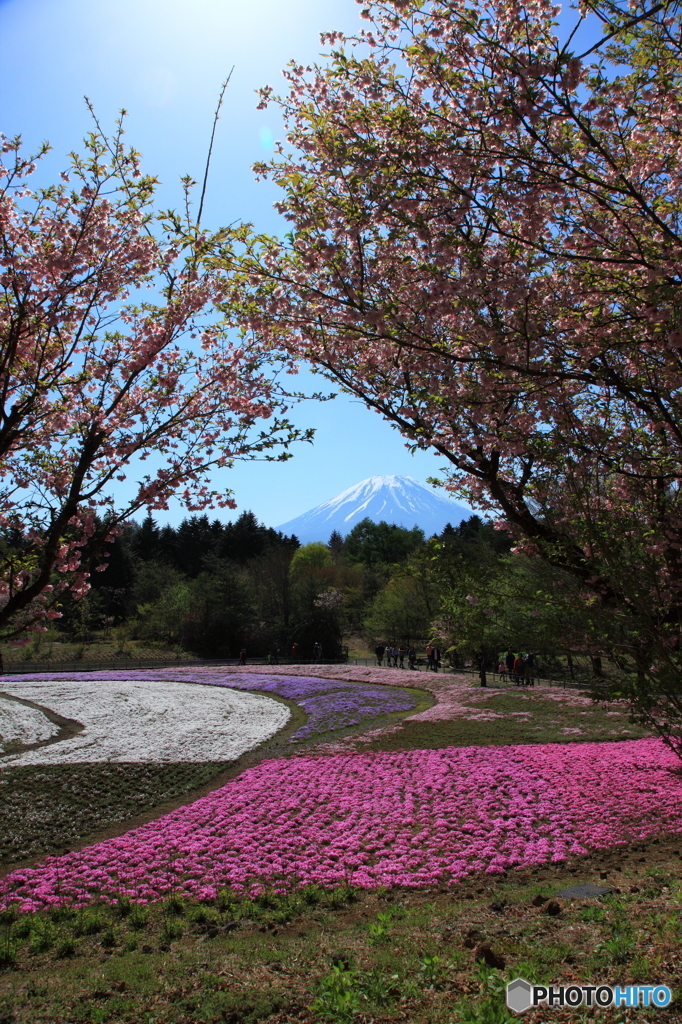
(111, 352)
(486, 247)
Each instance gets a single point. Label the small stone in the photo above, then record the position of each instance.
(586, 890)
(483, 953)
(538, 900)
(553, 908)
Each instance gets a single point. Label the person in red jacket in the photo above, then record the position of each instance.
(519, 670)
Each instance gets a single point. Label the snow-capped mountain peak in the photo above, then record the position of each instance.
(392, 499)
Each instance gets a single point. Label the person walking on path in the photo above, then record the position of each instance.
(294, 653)
(429, 657)
(411, 657)
(401, 656)
(519, 670)
(317, 653)
(436, 658)
(242, 656)
(480, 661)
(529, 667)
(509, 662)
(379, 651)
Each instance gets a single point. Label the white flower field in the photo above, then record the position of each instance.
(134, 721)
(22, 724)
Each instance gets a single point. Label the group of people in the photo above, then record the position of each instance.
(432, 658)
(518, 668)
(395, 656)
(318, 654)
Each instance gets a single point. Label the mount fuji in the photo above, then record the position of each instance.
(391, 499)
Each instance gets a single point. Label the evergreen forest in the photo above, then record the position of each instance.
(209, 589)
(212, 589)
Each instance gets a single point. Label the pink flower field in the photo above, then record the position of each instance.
(409, 818)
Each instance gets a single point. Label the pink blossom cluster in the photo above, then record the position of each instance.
(410, 818)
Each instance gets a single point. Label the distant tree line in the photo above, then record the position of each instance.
(214, 589)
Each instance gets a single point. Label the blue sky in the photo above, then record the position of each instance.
(163, 61)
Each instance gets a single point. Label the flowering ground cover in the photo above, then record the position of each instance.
(411, 818)
(330, 704)
(147, 719)
(64, 795)
(21, 725)
(465, 714)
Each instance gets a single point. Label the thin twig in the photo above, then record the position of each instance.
(623, 28)
(210, 148)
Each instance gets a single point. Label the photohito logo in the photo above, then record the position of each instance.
(522, 996)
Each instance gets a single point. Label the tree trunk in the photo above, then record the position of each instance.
(596, 665)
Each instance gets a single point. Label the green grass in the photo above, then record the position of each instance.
(46, 653)
(347, 955)
(546, 724)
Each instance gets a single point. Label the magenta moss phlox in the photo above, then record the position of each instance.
(410, 818)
